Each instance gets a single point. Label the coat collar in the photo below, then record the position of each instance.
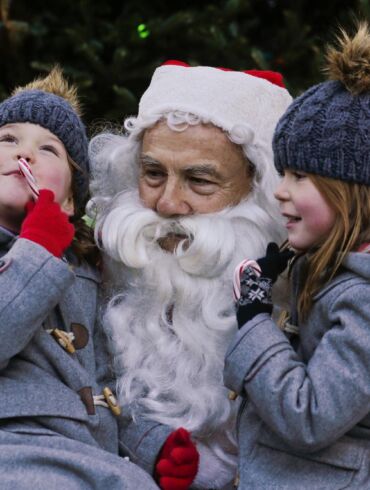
(354, 264)
(342, 275)
(7, 238)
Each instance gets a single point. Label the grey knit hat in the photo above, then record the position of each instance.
(326, 131)
(56, 114)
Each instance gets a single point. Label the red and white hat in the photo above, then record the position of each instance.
(226, 98)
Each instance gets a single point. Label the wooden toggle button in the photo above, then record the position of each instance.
(112, 401)
(63, 339)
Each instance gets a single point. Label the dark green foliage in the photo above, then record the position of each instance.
(110, 48)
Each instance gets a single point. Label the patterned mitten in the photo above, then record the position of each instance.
(177, 463)
(256, 282)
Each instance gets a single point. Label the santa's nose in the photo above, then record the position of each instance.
(172, 201)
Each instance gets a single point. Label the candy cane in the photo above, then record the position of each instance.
(239, 269)
(26, 171)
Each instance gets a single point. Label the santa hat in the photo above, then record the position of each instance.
(252, 101)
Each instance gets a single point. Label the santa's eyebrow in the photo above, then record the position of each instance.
(147, 160)
(199, 170)
(203, 170)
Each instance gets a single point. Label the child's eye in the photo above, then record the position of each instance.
(8, 138)
(50, 148)
(299, 175)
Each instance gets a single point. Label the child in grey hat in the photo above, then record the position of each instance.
(59, 421)
(304, 420)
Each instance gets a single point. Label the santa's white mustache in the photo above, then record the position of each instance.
(130, 233)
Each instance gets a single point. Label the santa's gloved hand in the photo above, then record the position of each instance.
(177, 462)
(47, 225)
(256, 282)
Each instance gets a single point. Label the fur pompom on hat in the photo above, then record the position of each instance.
(51, 103)
(326, 131)
(246, 102)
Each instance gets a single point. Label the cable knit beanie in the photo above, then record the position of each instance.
(52, 104)
(326, 131)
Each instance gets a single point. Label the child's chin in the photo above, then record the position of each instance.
(299, 249)
(297, 246)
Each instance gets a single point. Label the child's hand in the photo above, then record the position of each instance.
(177, 462)
(274, 262)
(47, 225)
(256, 285)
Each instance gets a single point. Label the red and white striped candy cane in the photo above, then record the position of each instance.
(26, 171)
(238, 274)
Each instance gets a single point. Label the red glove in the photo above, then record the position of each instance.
(47, 225)
(177, 462)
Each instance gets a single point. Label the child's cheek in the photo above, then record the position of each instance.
(318, 218)
(58, 182)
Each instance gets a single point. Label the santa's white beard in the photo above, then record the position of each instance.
(172, 315)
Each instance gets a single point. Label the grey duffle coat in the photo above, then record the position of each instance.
(304, 422)
(53, 433)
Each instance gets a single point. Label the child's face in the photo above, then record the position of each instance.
(47, 158)
(309, 217)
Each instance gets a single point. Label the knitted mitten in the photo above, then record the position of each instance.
(177, 463)
(47, 225)
(256, 283)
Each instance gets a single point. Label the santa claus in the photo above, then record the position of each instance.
(181, 197)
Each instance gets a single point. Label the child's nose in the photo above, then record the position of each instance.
(27, 155)
(281, 193)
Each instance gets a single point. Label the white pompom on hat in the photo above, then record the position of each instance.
(246, 103)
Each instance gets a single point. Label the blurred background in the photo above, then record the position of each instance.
(110, 48)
